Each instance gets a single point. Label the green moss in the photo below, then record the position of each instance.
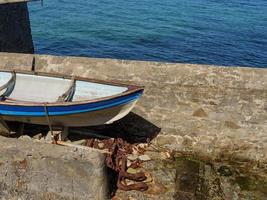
(192, 159)
(246, 183)
(249, 185)
(262, 186)
(252, 184)
(225, 171)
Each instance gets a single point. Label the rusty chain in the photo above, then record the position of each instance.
(117, 161)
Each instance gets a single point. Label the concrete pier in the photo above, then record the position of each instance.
(213, 113)
(221, 108)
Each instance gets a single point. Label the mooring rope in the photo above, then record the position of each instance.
(48, 121)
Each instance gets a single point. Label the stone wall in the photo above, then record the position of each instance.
(15, 30)
(212, 111)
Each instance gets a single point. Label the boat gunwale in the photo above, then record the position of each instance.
(130, 89)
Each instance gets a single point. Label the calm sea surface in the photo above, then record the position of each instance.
(221, 32)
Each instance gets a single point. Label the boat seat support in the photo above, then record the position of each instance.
(68, 95)
(9, 86)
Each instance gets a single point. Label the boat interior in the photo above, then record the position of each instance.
(37, 88)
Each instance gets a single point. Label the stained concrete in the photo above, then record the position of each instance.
(14, 61)
(218, 114)
(188, 178)
(213, 111)
(34, 170)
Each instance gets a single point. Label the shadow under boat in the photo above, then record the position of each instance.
(132, 128)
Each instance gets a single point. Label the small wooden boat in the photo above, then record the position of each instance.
(51, 99)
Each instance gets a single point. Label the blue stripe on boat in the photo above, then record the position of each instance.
(38, 111)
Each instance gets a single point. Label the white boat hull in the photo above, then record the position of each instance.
(48, 99)
(93, 118)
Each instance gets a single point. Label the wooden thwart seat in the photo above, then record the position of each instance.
(36, 89)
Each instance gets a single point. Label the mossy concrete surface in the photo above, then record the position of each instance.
(216, 115)
(188, 178)
(212, 111)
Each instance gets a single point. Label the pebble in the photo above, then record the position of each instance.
(101, 145)
(78, 142)
(132, 157)
(225, 171)
(37, 136)
(48, 137)
(149, 178)
(68, 141)
(132, 171)
(165, 155)
(25, 137)
(129, 163)
(131, 198)
(129, 182)
(142, 145)
(144, 158)
(135, 150)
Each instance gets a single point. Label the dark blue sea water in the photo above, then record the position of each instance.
(221, 32)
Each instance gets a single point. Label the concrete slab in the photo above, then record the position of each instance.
(34, 170)
(147, 73)
(15, 61)
(211, 111)
(215, 112)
